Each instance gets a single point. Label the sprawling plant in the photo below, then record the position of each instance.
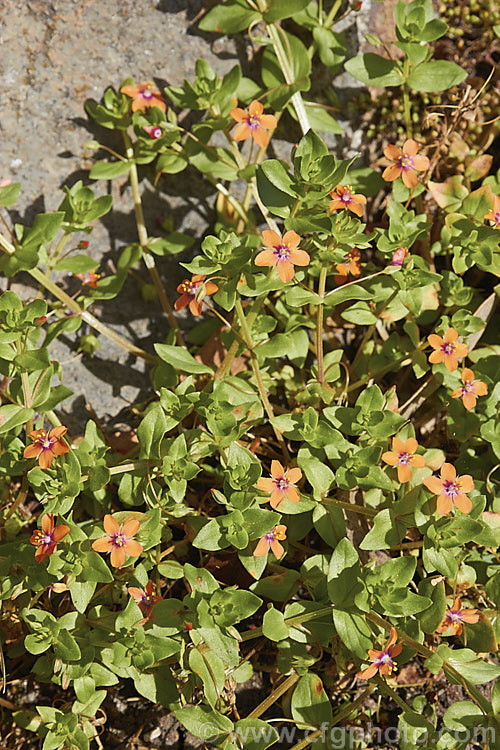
(313, 475)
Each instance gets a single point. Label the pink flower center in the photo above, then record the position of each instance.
(468, 387)
(452, 488)
(404, 458)
(147, 94)
(156, 133)
(44, 537)
(190, 289)
(448, 347)
(385, 658)
(271, 535)
(454, 616)
(282, 484)
(405, 161)
(46, 443)
(497, 218)
(346, 197)
(118, 539)
(282, 252)
(254, 121)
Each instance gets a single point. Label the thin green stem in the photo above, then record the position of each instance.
(143, 240)
(406, 99)
(319, 324)
(247, 336)
(333, 12)
(371, 328)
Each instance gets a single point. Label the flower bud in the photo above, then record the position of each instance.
(40, 321)
(399, 256)
(83, 245)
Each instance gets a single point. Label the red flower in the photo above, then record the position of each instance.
(284, 253)
(350, 266)
(145, 598)
(343, 197)
(144, 96)
(451, 490)
(193, 293)
(254, 123)
(282, 484)
(119, 540)
(45, 447)
(470, 389)
(270, 540)
(494, 214)
(382, 661)
(406, 165)
(89, 279)
(404, 456)
(447, 349)
(47, 538)
(456, 616)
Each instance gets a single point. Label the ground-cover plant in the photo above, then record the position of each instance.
(312, 494)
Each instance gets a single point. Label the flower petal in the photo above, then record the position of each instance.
(60, 448)
(133, 548)
(463, 503)
(45, 459)
(466, 483)
(461, 350)
(420, 163)
(130, 528)
(239, 114)
(436, 357)
(355, 208)
(47, 523)
(294, 475)
(292, 239)
(242, 132)
(391, 458)
(410, 445)
(450, 362)
(260, 136)
(262, 548)
(392, 152)
(404, 473)
(410, 147)
(391, 173)
(433, 484)
(266, 485)
(286, 271)
(117, 557)
(444, 505)
(266, 258)
(111, 525)
(269, 122)
(368, 673)
(60, 532)
(277, 470)
(32, 451)
(276, 498)
(469, 401)
(271, 238)
(448, 472)
(435, 341)
(299, 258)
(256, 107)
(417, 461)
(410, 179)
(480, 388)
(104, 544)
(277, 549)
(451, 336)
(291, 493)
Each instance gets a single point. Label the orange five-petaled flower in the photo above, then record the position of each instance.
(405, 457)
(271, 540)
(446, 349)
(283, 253)
(193, 292)
(456, 616)
(47, 537)
(470, 389)
(145, 598)
(89, 279)
(254, 123)
(382, 661)
(451, 490)
(343, 197)
(45, 447)
(144, 95)
(351, 266)
(119, 540)
(406, 163)
(281, 485)
(494, 214)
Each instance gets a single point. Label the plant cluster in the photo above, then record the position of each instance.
(313, 486)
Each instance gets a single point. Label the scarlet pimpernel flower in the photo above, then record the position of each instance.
(456, 616)
(450, 490)
(283, 253)
(399, 256)
(271, 540)
(89, 279)
(281, 484)
(406, 163)
(351, 266)
(193, 292)
(119, 540)
(144, 96)
(494, 214)
(46, 446)
(343, 197)
(253, 123)
(446, 349)
(470, 389)
(145, 598)
(405, 457)
(47, 537)
(382, 661)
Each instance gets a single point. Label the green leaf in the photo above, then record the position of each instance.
(81, 593)
(310, 704)
(65, 647)
(229, 17)
(386, 531)
(374, 70)
(431, 618)
(278, 9)
(436, 75)
(353, 631)
(181, 359)
(12, 416)
(152, 430)
(255, 734)
(467, 663)
(9, 194)
(204, 722)
(274, 626)
(107, 170)
(343, 574)
(210, 668)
